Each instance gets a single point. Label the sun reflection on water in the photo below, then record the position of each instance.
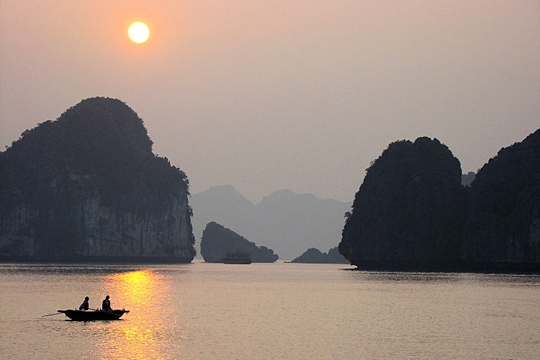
(148, 331)
(140, 288)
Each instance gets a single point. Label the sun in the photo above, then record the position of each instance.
(138, 32)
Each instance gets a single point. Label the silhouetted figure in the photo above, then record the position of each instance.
(85, 305)
(106, 305)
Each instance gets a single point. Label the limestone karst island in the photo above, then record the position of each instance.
(413, 213)
(87, 187)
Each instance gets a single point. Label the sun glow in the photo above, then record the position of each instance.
(138, 32)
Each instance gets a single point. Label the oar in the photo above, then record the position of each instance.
(62, 313)
(52, 314)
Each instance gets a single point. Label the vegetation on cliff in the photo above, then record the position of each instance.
(217, 240)
(408, 209)
(411, 212)
(96, 157)
(504, 214)
(99, 138)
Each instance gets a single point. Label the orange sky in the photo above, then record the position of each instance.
(284, 94)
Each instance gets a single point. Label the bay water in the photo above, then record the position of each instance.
(267, 311)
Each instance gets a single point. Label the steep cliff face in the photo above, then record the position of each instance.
(217, 240)
(87, 186)
(407, 212)
(412, 213)
(504, 221)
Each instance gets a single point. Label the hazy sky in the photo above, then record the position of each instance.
(265, 95)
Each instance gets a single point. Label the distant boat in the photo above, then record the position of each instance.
(81, 315)
(237, 257)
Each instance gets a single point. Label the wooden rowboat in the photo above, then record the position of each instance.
(81, 315)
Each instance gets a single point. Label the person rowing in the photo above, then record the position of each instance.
(106, 304)
(85, 304)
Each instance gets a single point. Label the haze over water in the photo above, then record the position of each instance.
(270, 95)
(268, 311)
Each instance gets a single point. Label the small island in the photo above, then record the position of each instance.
(218, 241)
(315, 256)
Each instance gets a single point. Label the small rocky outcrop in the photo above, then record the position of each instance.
(217, 240)
(467, 179)
(88, 187)
(315, 256)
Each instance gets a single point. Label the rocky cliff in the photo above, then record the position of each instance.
(217, 240)
(88, 187)
(411, 213)
(504, 213)
(315, 256)
(408, 211)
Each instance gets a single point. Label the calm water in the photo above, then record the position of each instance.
(267, 311)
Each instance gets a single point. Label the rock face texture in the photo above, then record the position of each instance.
(88, 187)
(411, 213)
(217, 241)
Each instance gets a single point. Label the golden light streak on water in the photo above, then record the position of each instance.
(141, 333)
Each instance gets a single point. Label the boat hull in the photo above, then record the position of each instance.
(80, 315)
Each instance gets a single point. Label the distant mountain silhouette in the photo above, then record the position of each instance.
(467, 179)
(287, 222)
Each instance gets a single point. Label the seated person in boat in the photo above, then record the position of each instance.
(85, 305)
(106, 304)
